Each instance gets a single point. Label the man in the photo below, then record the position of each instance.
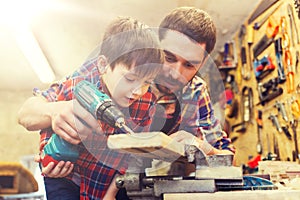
(188, 35)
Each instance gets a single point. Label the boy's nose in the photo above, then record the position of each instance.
(137, 91)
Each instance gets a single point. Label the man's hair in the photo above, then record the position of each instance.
(193, 22)
(132, 43)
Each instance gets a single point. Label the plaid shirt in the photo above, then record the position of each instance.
(97, 165)
(197, 114)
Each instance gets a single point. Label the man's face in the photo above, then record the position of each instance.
(124, 85)
(183, 58)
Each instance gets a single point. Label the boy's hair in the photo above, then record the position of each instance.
(193, 22)
(132, 43)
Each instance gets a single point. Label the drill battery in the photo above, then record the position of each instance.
(57, 150)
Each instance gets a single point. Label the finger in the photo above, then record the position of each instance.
(46, 170)
(88, 119)
(55, 172)
(67, 168)
(67, 137)
(37, 158)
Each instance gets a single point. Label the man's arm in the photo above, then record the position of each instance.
(35, 114)
(199, 118)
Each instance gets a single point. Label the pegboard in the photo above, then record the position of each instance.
(247, 74)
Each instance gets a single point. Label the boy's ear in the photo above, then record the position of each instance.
(102, 64)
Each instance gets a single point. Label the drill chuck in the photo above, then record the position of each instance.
(108, 113)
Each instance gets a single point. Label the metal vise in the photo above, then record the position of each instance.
(212, 173)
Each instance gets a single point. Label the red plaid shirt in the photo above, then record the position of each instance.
(97, 165)
(196, 114)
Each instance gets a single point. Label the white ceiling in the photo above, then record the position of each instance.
(69, 30)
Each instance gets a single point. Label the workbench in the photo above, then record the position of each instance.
(27, 196)
(238, 195)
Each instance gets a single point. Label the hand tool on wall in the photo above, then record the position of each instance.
(286, 131)
(261, 8)
(294, 125)
(290, 72)
(229, 56)
(278, 53)
(295, 110)
(263, 67)
(233, 84)
(246, 109)
(259, 122)
(246, 70)
(276, 147)
(297, 61)
(297, 7)
(270, 155)
(275, 122)
(100, 106)
(242, 33)
(268, 91)
(268, 37)
(250, 38)
(259, 24)
(293, 26)
(281, 109)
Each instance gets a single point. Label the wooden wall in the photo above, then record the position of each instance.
(15, 141)
(246, 142)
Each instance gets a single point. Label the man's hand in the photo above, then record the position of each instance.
(189, 139)
(60, 170)
(72, 122)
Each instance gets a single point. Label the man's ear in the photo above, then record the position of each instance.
(205, 59)
(102, 64)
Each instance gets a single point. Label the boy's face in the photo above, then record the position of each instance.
(124, 85)
(183, 58)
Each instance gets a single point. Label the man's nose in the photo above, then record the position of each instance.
(175, 70)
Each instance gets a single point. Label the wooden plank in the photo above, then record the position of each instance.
(237, 195)
(156, 145)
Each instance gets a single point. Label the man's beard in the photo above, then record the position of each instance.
(163, 82)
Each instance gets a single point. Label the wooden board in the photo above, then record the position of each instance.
(237, 195)
(154, 145)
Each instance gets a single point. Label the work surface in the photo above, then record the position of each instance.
(238, 195)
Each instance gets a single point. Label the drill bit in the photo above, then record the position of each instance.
(126, 129)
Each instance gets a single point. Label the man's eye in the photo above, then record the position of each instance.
(170, 59)
(189, 65)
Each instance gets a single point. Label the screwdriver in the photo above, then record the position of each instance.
(259, 122)
(289, 71)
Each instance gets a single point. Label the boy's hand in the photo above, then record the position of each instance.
(66, 123)
(60, 170)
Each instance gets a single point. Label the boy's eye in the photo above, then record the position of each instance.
(149, 82)
(129, 79)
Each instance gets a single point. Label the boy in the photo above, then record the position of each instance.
(187, 36)
(129, 59)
